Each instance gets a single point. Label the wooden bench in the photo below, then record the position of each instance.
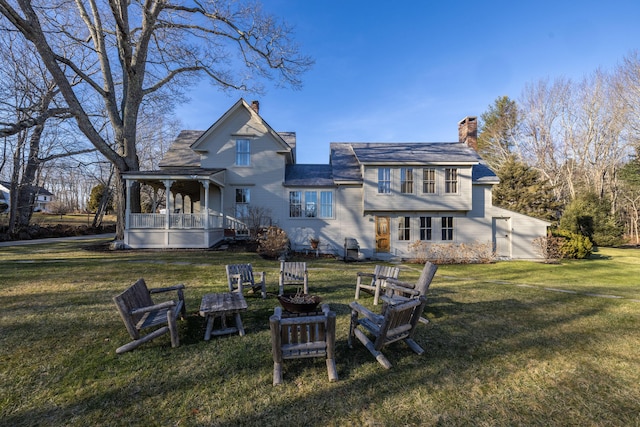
(138, 312)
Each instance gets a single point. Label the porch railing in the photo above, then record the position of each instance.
(176, 221)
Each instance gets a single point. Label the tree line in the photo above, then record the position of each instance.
(567, 151)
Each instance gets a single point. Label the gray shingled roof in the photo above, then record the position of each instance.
(346, 158)
(380, 153)
(308, 176)
(180, 153)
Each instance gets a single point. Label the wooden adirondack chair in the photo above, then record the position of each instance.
(397, 323)
(397, 291)
(295, 336)
(138, 312)
(293, 273)
(373, 282)
(242, 275)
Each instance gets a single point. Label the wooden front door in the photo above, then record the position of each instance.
(383, 234)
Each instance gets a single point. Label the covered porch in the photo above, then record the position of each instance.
(193, 213)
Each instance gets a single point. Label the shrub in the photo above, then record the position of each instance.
(549, 248)
(273, 243)
(573, 245)
(451, 253)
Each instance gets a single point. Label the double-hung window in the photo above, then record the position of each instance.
(429, 181)
(404, 228)
(384, 180)
(310, 204)
(242, 203)
(447, 228)
(326, 204)
(295, 204)
(243, 152)
(406, 180)
(425, 228)
(450, 180)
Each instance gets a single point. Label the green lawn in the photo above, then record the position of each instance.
(511, 343)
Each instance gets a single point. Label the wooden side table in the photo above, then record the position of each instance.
(222, 305)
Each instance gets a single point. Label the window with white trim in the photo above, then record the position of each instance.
(426, 229)
(447, 228)
(311, 204)
(295, 204)
(404, 228)
(406, 180)
(326, 204)
(384, 180)
(450, 180)
(429, 180)
(243, 152)
(242, 202)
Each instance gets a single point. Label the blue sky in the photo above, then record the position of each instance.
(408, 71)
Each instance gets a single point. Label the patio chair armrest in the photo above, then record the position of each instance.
(155, 307)
(362, 274)
(167, 289)
(365, 312)
(260, 276)
(396, 284)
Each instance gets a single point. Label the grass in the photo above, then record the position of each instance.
(48, 220)
(511, 343)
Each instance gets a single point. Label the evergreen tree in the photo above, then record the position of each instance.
(498, 132)
(523, 190)
(591, 216)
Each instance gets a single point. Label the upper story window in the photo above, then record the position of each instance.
(384, 180)
(429, 180)
(450, 180)
(308, 206)
(243, 152)
(406, 180)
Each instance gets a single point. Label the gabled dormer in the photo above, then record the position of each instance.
(238, 138)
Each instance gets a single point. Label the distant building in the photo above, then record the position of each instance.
(42, 198)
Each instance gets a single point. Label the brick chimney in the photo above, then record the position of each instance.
(255, 106)
(468, 132)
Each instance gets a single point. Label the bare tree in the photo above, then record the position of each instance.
(127, 51)
(29, 100)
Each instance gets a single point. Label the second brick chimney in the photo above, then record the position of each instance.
(255, 106)
(468, 132)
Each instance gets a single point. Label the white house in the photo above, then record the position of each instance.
(41, 203)
(384, 195)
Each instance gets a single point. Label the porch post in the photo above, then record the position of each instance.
(167, 185)
(127, 203)
(205, 184)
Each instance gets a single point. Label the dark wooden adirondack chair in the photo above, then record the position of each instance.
(138, 312)
(373, 282)
(398, 323)
(293, 274)
(295, 336)
(242, 275)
